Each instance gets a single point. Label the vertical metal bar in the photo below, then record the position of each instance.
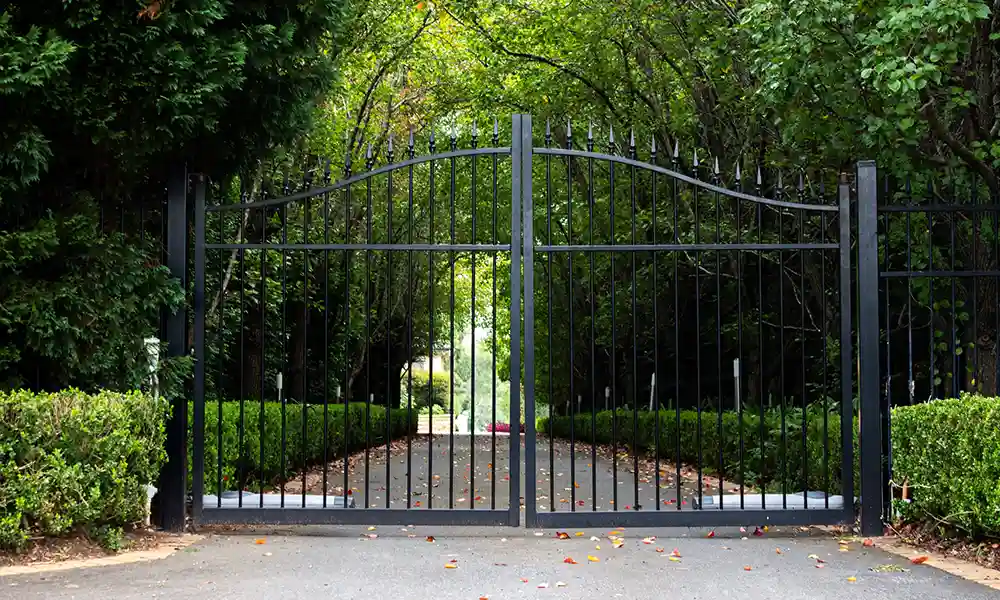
(431, 239)
(781, 350)
(718, 332)
(759, 190)
(696, 200)
(931, 323)
(803, 338)
(389, 308)
(284, 344)
(369, 397)
(737, 372)
(521, 150)
(635, 339)
(826, 395)
(472, 382)
(977, 265)
(409, 326)
(305, 340)
(173, 475)
(870, 420)
(656, 334)
(220, 341)
(675, 163)
(550, 310)
(953, 341)
(614, 327)
(592, 299)
(262, 359)
(846, 349)
(909, 295)
(326, 335)
(451, 337)
(493, 385)
(198, 475)
(347, 329)
(570, 297)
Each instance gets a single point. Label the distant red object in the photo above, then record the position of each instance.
(501, 427)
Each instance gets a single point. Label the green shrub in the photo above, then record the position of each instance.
(299, 450)
(763, 468)
(949, 453)
(425, 394)
(72, 460)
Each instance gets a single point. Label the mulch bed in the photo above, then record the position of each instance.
(984, 553)
(79, 547)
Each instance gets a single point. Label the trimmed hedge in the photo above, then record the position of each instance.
(762, 469)
(948, 451)
(70, 460)
(298, 450)
(424, 392)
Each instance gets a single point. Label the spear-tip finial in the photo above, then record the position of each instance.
(739, 175)
(569, 128)
(652, 144)
(631, 138)
(590, 130)
(548, 128)
(760, 179)
(677, 149)
(715, 167)
(475, 130)
(695, 163)
(390, 143)
(611, 134)
(802, 183)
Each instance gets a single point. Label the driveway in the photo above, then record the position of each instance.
(342, 562)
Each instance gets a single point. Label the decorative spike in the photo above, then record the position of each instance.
(739, 175)
(611, 135)
(430, 142)
(496, 128)
(631, 138)
(716, 166)
(410, 142)
(453, 141)
(677, 149)
(326, 172)
(822, 188)
(695, 164)
(780, 182)
(475, 131)
(569, 129)
(907, 184)
(548, 128)
(652, 145)
(802, 184)
(390, 143)
(369, 160)
(590, 131)
(760, 179)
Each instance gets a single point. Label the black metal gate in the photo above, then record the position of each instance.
(658, 413)
(673, 383)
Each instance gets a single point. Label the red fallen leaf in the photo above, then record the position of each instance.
(453, 561)
(868, 543)
(627, 507)
(757, 532)
(747, 568)
(524, 580)
(579, 502)
(430, 539)
(711, 534)
(562, 535)
(417, 504)
(659, 550)
(919, 560)
(820, 565)
(676, 553)
(260, 541)
(569, 560)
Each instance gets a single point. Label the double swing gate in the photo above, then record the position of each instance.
(687, 340)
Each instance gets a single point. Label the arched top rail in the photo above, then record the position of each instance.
(320, 191)
(685, 178)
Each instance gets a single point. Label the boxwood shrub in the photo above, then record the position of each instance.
(70, 460)
(247, 466)
(762, 467)
(948, 452)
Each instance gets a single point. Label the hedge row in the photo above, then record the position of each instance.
(948, 452)
(763, 467)
(242, 462)
(70, 460)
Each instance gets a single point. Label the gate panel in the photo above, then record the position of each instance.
(350, 342)
(687, 345)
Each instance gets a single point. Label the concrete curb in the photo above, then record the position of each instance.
(953, 566)
(125, 558)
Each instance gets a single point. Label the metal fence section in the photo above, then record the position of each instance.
(683, 387)
(329, 342)
(938, 281)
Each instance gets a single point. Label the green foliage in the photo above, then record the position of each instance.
(61, 282)
(240, 445)
(428, 393)
(70, 460)
(766, 462)
(948, 452)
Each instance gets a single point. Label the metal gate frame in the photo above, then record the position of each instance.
(523, 247)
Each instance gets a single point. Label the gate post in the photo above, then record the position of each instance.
(173, 477)
(870, 419)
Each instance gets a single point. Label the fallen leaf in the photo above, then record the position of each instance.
(451, 566)
(430, 539)
(372, 536)
(372, 528)
(569, 560)
(539, 534)
(890, 568)
(813, 557)
(777, 551)
(852, 579)
(524, 580)
(649, 540)
(560, 584)
(757, 532)
(617, 544)
(260, 541)
(919, 560)
(676, 553)
(868, 543)
(765, 528)
(562, 535)
(711, 534)
(542, 586)
(267, 554)
(747, 568)
(674, 559)
(593, 558)
(594, 538)
(579, 534)
(659, 549)
(820, 566)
